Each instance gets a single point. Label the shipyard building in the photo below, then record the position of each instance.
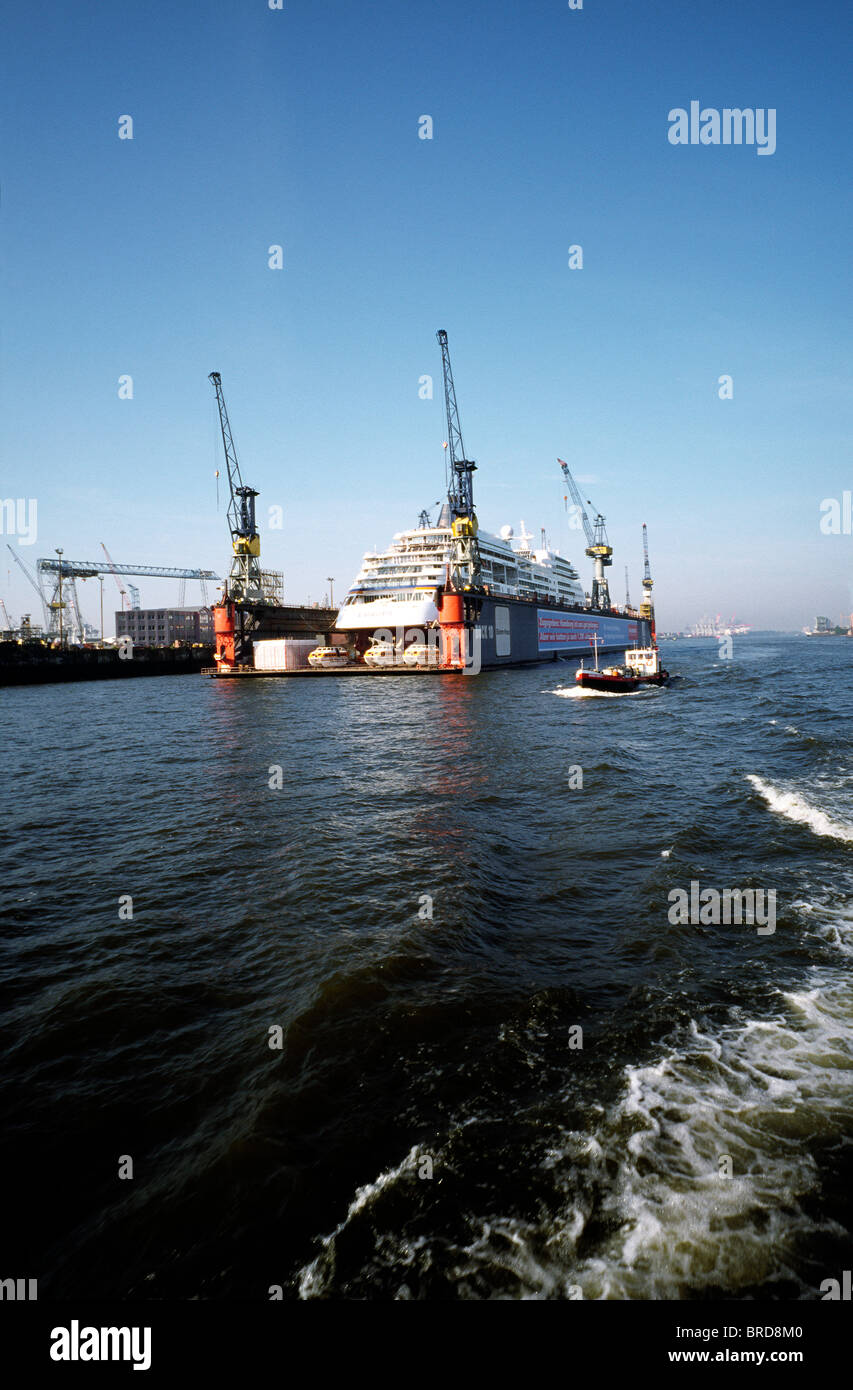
(160, 627)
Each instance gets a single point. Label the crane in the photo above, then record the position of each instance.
(88, 569)
(598, 547)
(125, 601)
(424, 521)
(246, 582)
(63, 603)
(627, 589)
(8, 625)
(42, 600)
(647, 608)
(465, 569)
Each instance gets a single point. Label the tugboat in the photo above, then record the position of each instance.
(641, 667)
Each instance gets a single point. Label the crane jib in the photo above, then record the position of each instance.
(241, 507)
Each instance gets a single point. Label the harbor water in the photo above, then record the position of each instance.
(376, 984)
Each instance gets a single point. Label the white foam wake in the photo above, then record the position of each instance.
(795, 808)
(314, 1278)
(577, 692)
(757, 1093)
(701, 1179)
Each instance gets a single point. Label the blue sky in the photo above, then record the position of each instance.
(299, 127)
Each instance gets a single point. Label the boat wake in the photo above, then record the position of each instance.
(316, 1278)
(577, 692)
(699, 1179)
(795, 808)
(712, 1191)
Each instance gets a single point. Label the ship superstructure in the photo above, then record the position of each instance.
(397, 587)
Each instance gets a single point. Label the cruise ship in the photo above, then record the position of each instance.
(397, 586)
(532, 605)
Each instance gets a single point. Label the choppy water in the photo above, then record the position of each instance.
(447, 1043)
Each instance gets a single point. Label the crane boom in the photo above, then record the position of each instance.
(460, 490)
(125, 601)
(598, 547)
(647, 608)
(87, 569)
(36, 586)
(241, 506)
(578, 501)
(647, 574)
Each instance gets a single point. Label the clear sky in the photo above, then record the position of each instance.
(255, 127)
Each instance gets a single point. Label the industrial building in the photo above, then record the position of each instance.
(160, 627)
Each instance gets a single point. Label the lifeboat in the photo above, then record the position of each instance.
(329, 658)
(381, 652)
(420, 654)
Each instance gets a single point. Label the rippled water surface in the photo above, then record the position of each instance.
(430, 1126)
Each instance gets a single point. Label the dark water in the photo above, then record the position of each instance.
(412, 1043)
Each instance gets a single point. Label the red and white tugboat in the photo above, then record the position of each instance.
(640, 667)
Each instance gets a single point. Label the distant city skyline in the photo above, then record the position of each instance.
(309, 193)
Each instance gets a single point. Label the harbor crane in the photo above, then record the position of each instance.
(246, 581)
(62, 616)
(72, 570)
(424, 519)
(627, 589)
(647, 608)
(42, 600)
(460, 487)
(248, 590)
(598, 548)
(125, 601)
